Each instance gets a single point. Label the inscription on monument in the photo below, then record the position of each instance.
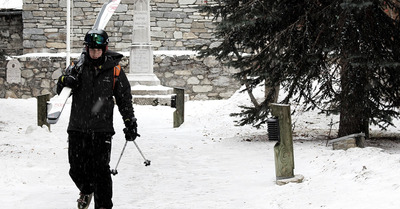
(140, 20)
(140, 60)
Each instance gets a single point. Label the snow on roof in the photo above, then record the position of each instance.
(11, 4)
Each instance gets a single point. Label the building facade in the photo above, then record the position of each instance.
(176, 25)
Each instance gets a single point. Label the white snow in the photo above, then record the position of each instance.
(206, 163)
(11, 4)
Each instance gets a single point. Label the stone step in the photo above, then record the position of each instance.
(164, 100)
(151, 90)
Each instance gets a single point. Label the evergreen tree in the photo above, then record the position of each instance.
(334, 55)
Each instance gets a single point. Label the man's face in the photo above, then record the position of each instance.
(95, 53)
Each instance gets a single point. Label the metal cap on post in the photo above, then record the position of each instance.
(273, 129)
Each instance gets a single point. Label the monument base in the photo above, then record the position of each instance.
(296, 179)
(151, 95)
(147, 79)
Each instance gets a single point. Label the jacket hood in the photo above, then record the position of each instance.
(111, 59)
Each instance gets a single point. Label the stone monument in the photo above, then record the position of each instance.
(13, 71)
(146, 88)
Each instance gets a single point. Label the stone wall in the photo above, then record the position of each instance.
(10, 32)
(38, 77)
(201, 79)
(175, 25)
(178, 24)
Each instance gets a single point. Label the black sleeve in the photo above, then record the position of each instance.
(123, 96)
(60, 86)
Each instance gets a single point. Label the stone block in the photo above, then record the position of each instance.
(193, 81)
(202, 89)
(31, 31)
(175, 15)
(28, 7)
(56, 45)
(183, 72)
(38, 37)
(344, 144)
(221, 81)
(50, 1)
(45, 83)
(165, 24)
(11, 94)
(158, 34)
(122, 8)
(82, 4)
(39, 13)
(211, 62)
(190, 36)
(27, 73)
(178, 35)
(187, 2)
(166, 5)
(296, 179)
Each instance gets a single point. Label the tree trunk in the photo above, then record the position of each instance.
(353, 110)
(268, 89)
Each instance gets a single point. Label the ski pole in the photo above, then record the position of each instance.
(114, 171)
(146, 161)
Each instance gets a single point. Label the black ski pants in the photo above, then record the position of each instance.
(89, 159)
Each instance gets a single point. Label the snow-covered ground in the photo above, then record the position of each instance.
(206, 163)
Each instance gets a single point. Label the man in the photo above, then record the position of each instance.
(96, 80)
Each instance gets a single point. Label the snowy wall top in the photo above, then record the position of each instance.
(11, 4)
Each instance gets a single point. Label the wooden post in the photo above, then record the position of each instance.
(284, 158)
(42, 110)
(179, 116)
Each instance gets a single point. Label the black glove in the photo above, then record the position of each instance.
(131, 129)
(69, 81)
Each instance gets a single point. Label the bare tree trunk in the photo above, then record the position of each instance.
(268, 89)
(353, 111)
(251, 95)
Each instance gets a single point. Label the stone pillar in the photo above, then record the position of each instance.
(146, 88)
(141, 54)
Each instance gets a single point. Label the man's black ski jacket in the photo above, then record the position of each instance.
(93, 99)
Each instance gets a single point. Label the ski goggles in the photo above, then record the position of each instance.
(95, 39)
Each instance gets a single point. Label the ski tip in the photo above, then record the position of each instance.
(51, 121)
(52, 118)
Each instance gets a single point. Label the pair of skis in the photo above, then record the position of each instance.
(56, 105)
